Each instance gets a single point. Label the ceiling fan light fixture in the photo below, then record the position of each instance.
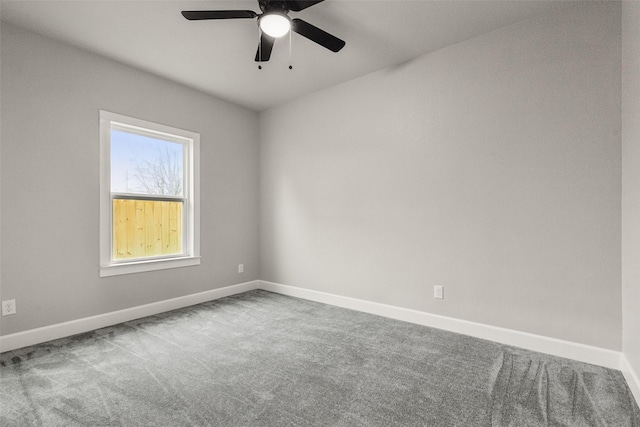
(274, 24)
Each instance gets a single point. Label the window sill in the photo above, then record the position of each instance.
(151, 265)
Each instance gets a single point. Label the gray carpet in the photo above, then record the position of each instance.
(263, 359)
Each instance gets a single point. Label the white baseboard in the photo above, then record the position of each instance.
(556, 347)
(633, 380)
(65, 329)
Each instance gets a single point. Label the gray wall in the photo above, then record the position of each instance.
(51, 97)
(631, 182)
(491, 167)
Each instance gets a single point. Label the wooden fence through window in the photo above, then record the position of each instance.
(146, 228)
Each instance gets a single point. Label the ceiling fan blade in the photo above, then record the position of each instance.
(264, 48)
(298, 5)
(195, 15)
(317, 35)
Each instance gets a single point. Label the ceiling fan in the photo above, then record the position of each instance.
(274, 22)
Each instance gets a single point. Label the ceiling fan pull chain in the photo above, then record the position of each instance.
(259, 47)
(290, 65)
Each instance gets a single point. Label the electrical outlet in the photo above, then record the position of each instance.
(8, 307)
(438, 292)
(240, 268)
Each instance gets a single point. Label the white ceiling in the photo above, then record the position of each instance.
(217, 57)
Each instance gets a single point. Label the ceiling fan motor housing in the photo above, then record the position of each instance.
(273, 6)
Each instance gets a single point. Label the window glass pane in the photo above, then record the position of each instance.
(145, 165)
(146, 228)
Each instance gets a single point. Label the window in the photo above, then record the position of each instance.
(149, 215)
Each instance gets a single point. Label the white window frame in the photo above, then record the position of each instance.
(191, 205)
